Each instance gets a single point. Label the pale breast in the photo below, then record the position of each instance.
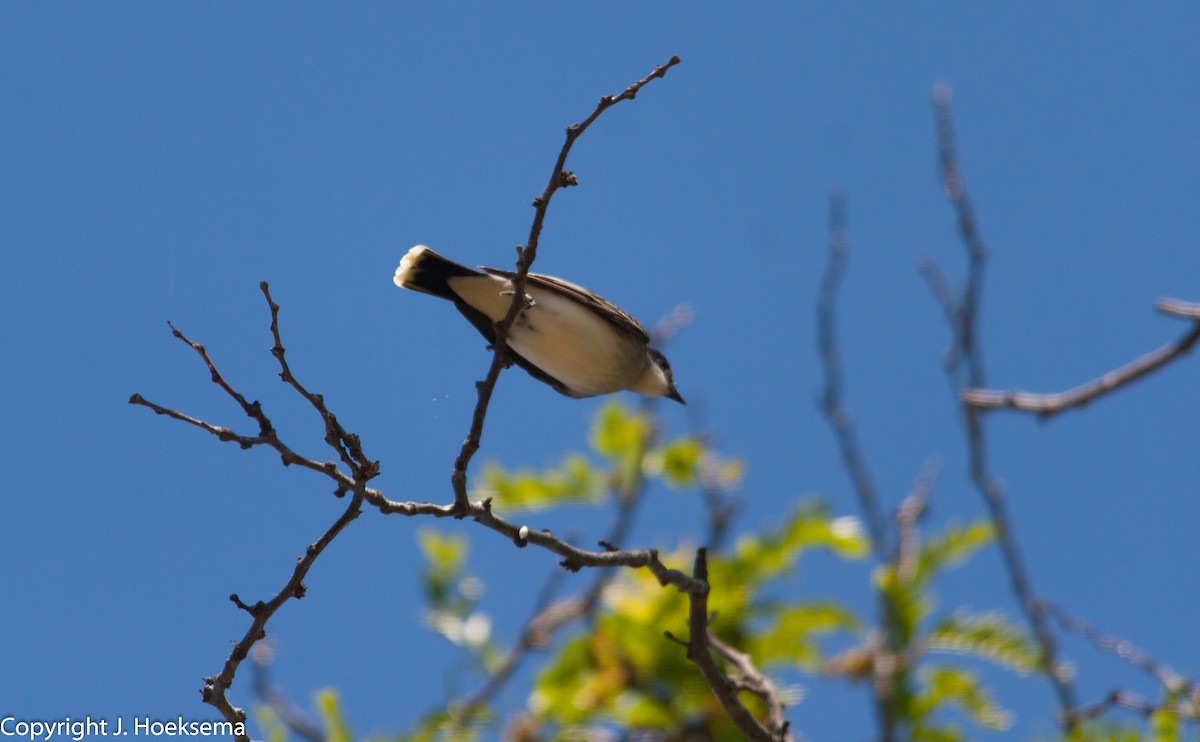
(576, 346)
(561, 337)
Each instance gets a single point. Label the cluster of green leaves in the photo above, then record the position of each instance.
(624, 455)
(622, 673)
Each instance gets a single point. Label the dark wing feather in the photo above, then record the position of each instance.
(620, 319)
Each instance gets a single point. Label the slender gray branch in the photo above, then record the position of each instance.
(1048, 405)
(965, 369)
(832, 405)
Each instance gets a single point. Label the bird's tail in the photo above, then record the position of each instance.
(421, 269)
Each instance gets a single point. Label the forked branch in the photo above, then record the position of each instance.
(1048, 405)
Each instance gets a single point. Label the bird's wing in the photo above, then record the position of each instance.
(620, 319)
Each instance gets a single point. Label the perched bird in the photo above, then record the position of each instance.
(576, 341)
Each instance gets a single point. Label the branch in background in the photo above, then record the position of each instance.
(559, 178)
(720, 505)
(882, 650)
(831, 400)
(1171, 681)
(965, 369)
(724, 690)
(1185, 710)
(1047, 405)
(292, 716)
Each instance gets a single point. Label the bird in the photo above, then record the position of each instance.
(576, 341)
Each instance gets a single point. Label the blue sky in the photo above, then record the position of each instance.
(158, 160)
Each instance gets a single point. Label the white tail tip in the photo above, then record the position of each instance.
(406, 263)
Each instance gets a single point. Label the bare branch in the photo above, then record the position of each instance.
(1188, 710)
(698, 652)
(1178, 308)
(267, 434)
(964, 323)
(362, 471)
(1171, 681)
(346, 444)
(753, 680)
(831, 400)
(559, 178)
(216, 686)
(549, 618)
(1047, 405)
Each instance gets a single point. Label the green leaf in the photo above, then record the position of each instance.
(951, 548)
(445, 556)
(953, 686)
(270, 724)
(619, 433)
(809, 526)
(575, 480)
(329, 706)
(792, 631)
(444, 552)
(679, 461)
(989, 636)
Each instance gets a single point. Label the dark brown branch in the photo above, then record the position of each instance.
(573, 557)
(831, 400)
(362, 471)
(346, 444)
(754, 681)
(216, 686)
(267, 434)
(548, 617)
(966, 353)
(559, 178)
(698, 652)
(1047, 405)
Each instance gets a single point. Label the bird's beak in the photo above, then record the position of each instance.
(673, 393)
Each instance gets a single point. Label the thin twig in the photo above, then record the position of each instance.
(559, 178)
(967, 353)
(346, 444)
(832, 405)
(1048, 405)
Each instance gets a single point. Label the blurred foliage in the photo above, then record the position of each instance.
(616, 675)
